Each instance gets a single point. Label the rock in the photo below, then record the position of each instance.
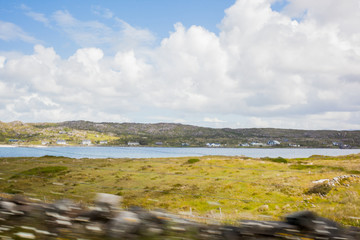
(62, 220)
(25, 235)
(320, 188)
(323, 186)
(19, 200)
(263, 208)
(124, 223)
(151, 225)
(303, 219)
(108, 201)
(265, 228)
(64, 205)
(8, 206)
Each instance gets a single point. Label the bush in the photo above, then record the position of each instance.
(277, 160)
(305, 167)
(193, 160)
(50, 171)
(10, 190)
(322, 188)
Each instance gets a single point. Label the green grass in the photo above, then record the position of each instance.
(193, 160)
(278, 159)
(240, 187)
(305, 167)
(50, 171)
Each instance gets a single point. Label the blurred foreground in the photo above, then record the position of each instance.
(63, 219)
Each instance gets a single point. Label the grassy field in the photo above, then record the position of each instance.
(224, 189)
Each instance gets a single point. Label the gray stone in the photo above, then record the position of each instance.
(8, 206)
(107, 200)
(124, 223)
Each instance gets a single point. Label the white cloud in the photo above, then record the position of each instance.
(2, 61)
(103, 12)
(85, 86)
(10, 31)
(85, 34)
(39, 17)
(98, 34)
(129, 37)
(213, 120)
(264, 69)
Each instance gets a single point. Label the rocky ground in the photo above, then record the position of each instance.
(63, 219)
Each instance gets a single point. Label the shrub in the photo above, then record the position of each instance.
(193, 160)
(10, 190)
(50, 171)
(277, 160)
(305, 167)
(321, 188)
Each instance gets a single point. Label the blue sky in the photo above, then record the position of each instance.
(157, 16)
(228, 63)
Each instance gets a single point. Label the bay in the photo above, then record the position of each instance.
(165, 152)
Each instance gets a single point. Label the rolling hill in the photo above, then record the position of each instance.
(171, 134)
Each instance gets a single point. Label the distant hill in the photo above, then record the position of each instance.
(172, 134)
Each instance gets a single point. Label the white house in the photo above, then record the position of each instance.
(133, 143)
(86, 142)
(61, 142)
(273, 143)
(257, 144)
(213, 145)
(103, 142)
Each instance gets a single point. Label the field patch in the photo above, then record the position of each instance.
(208, 188)
(50, 171)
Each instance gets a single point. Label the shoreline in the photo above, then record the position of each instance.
(166, 152)
(164, 147)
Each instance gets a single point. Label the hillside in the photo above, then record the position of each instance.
(170, 134)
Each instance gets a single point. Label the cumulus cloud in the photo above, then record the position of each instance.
(2, 61)
(264, 69)
(86, 85)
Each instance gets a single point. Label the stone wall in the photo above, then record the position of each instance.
(23, 219)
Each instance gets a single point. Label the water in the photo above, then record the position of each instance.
(162, 152)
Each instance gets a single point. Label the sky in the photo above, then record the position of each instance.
(229, 63)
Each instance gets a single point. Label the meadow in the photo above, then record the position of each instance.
(207, 189)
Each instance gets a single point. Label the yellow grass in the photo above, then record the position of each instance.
(214, 188)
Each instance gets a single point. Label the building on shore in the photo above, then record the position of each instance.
(133, 144)
(273, 143)
(61, 142)
(86, 142)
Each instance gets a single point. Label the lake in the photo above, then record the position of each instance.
(164, 152)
